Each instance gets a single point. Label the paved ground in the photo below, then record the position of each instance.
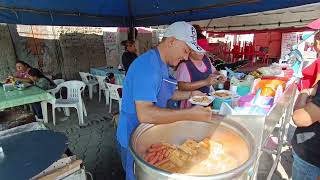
(95, 144)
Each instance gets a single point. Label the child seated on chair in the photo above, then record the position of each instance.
(112, 80)
(42, 82)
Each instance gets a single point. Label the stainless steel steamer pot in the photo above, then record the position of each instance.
(177, 133)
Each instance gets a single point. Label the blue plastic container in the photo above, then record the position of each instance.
(243, 90)
(218, 101)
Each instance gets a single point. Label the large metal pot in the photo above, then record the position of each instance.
(177, 133)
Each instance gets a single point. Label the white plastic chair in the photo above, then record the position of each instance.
(90, 81)
(74, 99)
(114, 95)
(58, 81)
(51, 91)
(103, 87)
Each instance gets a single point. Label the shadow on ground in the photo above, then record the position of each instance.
(95, 142)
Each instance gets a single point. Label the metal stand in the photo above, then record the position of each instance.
(262, 127)
(283, 131)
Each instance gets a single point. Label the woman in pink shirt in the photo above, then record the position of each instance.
(197, 73)
(22, 71)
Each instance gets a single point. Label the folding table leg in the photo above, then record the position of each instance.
(44, 111)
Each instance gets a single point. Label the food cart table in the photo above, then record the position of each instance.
(262, 126)
(26, 96)
(103, 71)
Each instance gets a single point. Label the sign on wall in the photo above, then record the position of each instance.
(288, 40)
(111, 48)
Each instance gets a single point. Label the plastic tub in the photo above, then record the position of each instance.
(243, 90)
(218, 101)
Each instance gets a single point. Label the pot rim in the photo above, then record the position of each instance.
(235, 172)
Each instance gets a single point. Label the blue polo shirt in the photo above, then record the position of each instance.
(142, 83)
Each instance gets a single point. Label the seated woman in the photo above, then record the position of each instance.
(197, 73)
(22, 69)
(42, 82)
(306, 139)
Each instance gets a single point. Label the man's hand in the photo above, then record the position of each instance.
(311, 91)
(197, 93)
(202, 113)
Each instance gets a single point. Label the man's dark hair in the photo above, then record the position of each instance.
(110, 75)
(125, 43)
(37, 73)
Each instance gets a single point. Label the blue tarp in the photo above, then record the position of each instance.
(126, 13)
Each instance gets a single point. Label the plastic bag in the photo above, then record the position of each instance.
(269, 86)
(252, 110)
(270, 71)
(234, 74)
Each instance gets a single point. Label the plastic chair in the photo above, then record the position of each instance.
(90, 81)
(114, 95)
(51, 91)
(266, 59)
(103, 87)
(74, 99)
(58, 81)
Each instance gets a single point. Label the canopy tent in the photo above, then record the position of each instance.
(285, 20)
(130, 13)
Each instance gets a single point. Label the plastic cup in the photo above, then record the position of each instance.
(233, 89)
(218, 101)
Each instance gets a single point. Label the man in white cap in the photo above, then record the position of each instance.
(148, 86)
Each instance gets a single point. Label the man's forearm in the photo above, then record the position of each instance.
(164, 116)
(301, 101)
(192, 86)
(301, 117)
(181, 95)
(154, 115)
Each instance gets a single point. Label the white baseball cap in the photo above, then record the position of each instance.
(184, 31)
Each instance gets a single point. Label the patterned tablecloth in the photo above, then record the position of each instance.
(103, 71)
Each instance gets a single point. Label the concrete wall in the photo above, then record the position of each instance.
(37, 46)
(62, 51)
(80, 52)
(7, 54)
(59, 51)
